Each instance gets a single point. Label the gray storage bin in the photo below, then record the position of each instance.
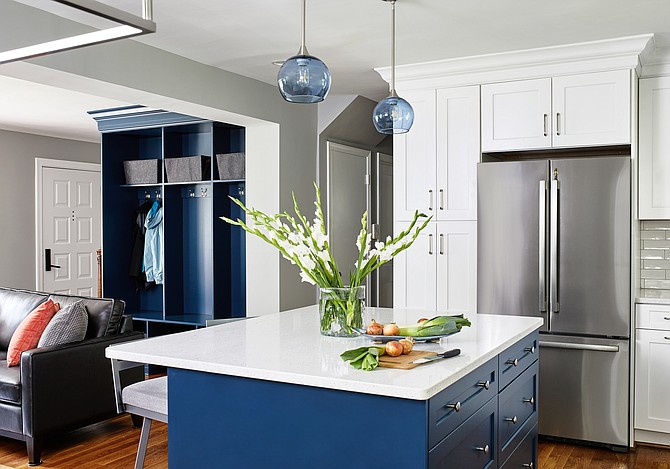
(142, 171)
(187, 168)
(231, 165)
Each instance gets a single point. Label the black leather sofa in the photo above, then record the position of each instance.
(61, 387)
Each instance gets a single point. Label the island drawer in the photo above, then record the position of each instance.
(472, 446)
(524, 455)
(516, 404)
(451, 407)
(653, 317)
(513, 361)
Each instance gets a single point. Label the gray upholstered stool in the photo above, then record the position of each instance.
(147, 398)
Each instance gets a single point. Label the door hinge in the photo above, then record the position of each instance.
(367, 179)
(374, 231)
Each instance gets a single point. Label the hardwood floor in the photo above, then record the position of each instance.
(112, 445)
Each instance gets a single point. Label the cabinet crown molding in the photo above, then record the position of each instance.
(585, 57)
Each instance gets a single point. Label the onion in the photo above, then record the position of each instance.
(407, 345)
(391, 329)
(374, 328)
(422, 320)
(394, 348)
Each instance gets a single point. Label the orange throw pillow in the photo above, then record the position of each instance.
(28, 334)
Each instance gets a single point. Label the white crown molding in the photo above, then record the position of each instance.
(655, 63)
(609, 54)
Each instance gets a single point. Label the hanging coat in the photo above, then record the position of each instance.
(136, 270)
(153, 244)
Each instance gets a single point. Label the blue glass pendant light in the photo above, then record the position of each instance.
(303, 78)
(393, 115)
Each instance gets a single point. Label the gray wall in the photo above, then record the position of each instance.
(17, 198)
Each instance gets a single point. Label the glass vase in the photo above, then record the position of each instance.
(341, 310)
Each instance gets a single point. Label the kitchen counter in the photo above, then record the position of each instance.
(272, 392)
(287, 347)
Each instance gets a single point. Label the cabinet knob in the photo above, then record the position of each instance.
(456, 407)
(486, 384)
(529, 465)
(513, 420)
(529, 349)
(483, 449)
(513, 362)
(530, 401)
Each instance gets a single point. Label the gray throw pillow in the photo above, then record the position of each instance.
(68, 325)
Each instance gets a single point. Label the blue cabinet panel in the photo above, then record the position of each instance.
(225, 421)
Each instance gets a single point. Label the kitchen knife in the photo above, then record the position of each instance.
(448, 354)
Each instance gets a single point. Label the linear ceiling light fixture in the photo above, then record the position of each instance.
(131, 25)
(303, 78)
(393, 115)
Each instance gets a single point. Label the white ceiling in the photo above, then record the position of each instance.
(351, 36)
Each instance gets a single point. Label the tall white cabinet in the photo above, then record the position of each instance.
(435, 172)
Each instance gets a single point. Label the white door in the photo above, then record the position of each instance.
(516, 115)
(654, 157)
(457, 153)
(415, 160)
(652, 380)
(414, 271)
(591, 109)
(457, 267)
(70, 231)
(348, 198)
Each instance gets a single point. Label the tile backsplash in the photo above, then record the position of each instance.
(655, 254)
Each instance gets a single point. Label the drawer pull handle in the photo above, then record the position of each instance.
(666, 337)
(483, 449)
(667, 318)
(456, 407)
(486, 384)
(513, 420)
(530, 465)
(513, 362)
(530, 349)
(530, 401)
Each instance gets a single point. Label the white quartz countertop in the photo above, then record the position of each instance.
(287, 347)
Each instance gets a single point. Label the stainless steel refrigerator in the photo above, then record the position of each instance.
(554, 242)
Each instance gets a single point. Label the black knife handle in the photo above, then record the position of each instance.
(450, 353)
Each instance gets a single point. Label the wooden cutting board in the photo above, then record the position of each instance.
(404, 362)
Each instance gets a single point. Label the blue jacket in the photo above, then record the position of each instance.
(153, 244)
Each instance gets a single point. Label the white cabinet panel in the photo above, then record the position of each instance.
(414, 160)
(591, 109)
(414, 275)
(654, 156)
(516, 115)
(457, 153)
(457, 267)
(652, 362)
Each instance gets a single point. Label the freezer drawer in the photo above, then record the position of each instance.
(584, 389)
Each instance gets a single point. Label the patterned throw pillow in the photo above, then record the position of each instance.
(28, 334)
(68, 325)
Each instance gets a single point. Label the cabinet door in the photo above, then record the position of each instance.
(516, 115)
(652, 380)
(457, 267)
(457, 153)
(414, 160)
(591, 109)
(654, 176)
(414, 278)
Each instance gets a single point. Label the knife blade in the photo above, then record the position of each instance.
(448, 354)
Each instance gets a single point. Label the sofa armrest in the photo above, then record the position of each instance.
(70, 385)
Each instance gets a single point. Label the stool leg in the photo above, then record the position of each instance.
(144, 439)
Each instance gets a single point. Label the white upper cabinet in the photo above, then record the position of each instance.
(435, 163)
(654, 153)
(568, 111)
(516, 115)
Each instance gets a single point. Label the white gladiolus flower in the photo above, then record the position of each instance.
(385, 255)
(323, 255)
(305, 278)
(319, 238)
(307, 262)
(379, 245)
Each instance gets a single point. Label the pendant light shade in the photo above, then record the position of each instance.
(393, 115)
(303, 78)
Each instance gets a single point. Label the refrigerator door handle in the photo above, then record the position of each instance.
(554, 304)
(542, 248)
(588, 347)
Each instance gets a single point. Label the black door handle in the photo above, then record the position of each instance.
(47, 261)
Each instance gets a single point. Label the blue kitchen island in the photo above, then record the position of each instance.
(271, 392)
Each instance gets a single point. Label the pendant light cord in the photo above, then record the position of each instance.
(393, 92)
(303, 47)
